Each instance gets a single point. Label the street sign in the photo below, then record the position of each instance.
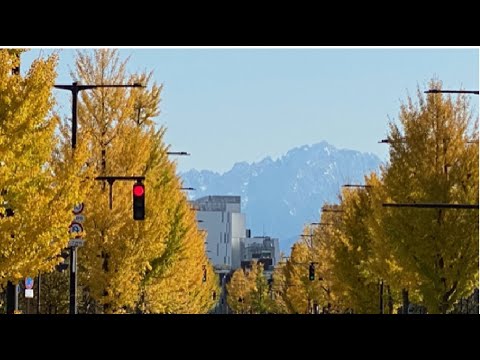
(28, 283)
(29, 293)
(80, 218)
(78, 208)
(76, 227)
(76, 242)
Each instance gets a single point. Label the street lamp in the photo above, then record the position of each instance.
(433, 205)
(327, 209)
(402, 140)
(75, 88)
(311, 233)
(388, 141)
(184, 153)
(357, 186)
(437, 91)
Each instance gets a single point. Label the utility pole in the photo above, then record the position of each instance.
(75, 88)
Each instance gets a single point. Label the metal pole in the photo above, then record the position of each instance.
(73, 280)
(38, 292)
(12, 298)
(75, 88)
(381, 296)
(405, 301)
(110, 195)
(74, 114)
(438, 91)
(73, 250)
(433, 205)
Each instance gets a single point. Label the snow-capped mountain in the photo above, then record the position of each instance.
(279, 197)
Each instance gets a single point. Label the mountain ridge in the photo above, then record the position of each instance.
(280, 196)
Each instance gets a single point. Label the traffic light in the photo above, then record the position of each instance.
(63, 265)
(138, 201)
(311, 272)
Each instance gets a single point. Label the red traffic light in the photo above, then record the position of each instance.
(138, 190)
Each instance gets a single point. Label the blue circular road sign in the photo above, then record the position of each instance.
(28, 283)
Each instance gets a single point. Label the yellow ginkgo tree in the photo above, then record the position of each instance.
(128, 265)
(434, 159)
(37, 190)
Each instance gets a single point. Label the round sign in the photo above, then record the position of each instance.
(76, 227)
(78, 208)
(28, 283)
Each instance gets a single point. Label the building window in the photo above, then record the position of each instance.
(218, 248)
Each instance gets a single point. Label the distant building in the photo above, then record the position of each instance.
(220, 216)
(228, 244)
(263, 249)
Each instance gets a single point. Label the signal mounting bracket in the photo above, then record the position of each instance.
(112, 179)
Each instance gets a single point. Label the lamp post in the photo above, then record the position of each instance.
(432, 205)
(75, 88)
(356, 186)
(332, 209)
(438, 91)
(184, 153)
(311, 234)
(402, 140)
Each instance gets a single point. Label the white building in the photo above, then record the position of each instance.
(220, 216)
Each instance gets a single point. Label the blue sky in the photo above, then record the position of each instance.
(240, 104)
